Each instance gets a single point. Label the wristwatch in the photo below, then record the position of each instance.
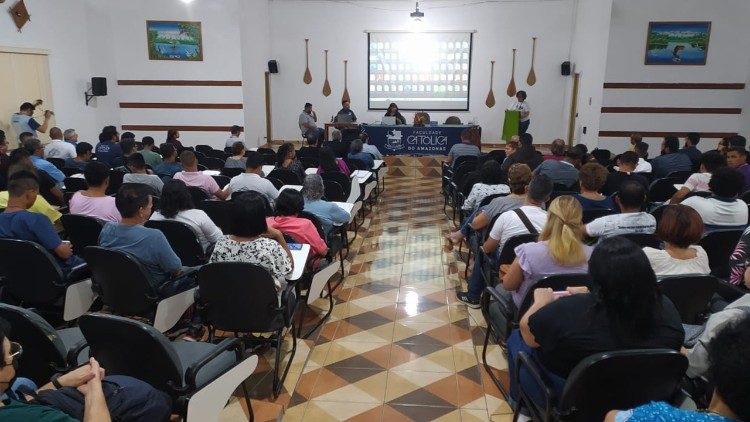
(55, 382)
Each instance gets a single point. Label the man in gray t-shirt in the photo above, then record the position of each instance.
(308, 126)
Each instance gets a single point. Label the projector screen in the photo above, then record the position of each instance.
(419, 70)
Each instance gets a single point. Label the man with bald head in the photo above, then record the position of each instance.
(58, 148)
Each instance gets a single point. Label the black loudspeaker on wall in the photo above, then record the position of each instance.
(98, 86)
(565, 68)
(273, 66)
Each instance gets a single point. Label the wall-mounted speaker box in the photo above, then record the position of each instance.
(565, 69)
(273, 66)
(99, 86)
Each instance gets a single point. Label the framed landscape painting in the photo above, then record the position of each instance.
(174, 40)
(677, 43)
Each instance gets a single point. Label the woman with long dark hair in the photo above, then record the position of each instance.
(393, 111)
(286, 159)
(173, 137)
(177, 204)
(329, 162)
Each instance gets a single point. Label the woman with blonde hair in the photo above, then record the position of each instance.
(560, 249)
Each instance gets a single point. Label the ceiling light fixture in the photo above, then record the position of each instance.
(417, 15)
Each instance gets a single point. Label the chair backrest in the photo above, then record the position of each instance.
(205, 149)
(264, 150)
(115, 181)
(657, 212)
(680, 176)
(644, 239)
(690, 294)
(464, 159)
(220, 213)
(198, 155)
(602, 156)
(341, 179)
(287, 176)
(557, 282)
(642, 376)
(217, 154)
(58, 162)
(43, 350)
(74, 184)
(746, 197)
(355, 164)
(182, 239)
(128, 347)
(82, 231)
(349, 134)
(269, 159)
(69, 171)
(592, 214)
(309, 162)
(231, 171)
(333, 191)
(121, 281)
(661, 190)
(460, 171)
(278, 184)
(497, 155)
(212, 163)
(221, 180)
(719, 245)
(239, 297)
(197, 194)
(508, 253)
(32, 274)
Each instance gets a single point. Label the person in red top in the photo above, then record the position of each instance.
(288, 206)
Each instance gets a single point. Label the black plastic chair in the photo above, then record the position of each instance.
(74, 184)
(333, 191)
(198, 194)
(690, 294)
(221, 180)
(508, 253)
(602, 156)
(287, 176)
(204, 149)
(82, 231)
(183, 241)
(220, 213)
(264, 150)
(231, 171)
(239, 297)
(46, 350)
(115, 181)
(644, 239)
(557, 282)
(57, 162)
(746, 197)
(212, 163)
(309, 162)
(719, 245)
(661, 190)
(278, 184)
(217, 154)
(591, 215)
(355, 164)
(269, 159)
(680, 176)
(657, 212)
(180, 368)
(69, 171)
(643, 375)
(340, 178)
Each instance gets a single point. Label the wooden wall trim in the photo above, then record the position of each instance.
(201, 106)
(659, 85)
(646, 134)
(182, 128)
(160, 82)
(673, 110)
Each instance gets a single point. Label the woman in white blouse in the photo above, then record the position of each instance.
(491, 184)
(177, 204)
(680, 227)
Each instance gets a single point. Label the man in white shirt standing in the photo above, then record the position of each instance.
(251, 179)
(235, 136)
(521, 106)
(58, 148)
(631, 219)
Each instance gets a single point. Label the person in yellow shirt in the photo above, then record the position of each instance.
(40, 205)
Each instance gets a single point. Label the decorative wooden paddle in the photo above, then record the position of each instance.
(531, 79)
(326, 85)
(490, 101)
(308, 76)
(512, 85)
(345, 97)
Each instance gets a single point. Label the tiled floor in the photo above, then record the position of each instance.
(398, 346)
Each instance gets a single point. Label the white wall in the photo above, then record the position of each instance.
(727, 62)
(256, 50)
(500, 27)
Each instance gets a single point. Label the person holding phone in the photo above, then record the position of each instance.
(24, 122)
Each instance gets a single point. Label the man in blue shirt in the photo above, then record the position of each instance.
(36, 151)
(23, 122)
(169, 166)
(357, 153)
(670, 159)
(108, 148)
(148, 246)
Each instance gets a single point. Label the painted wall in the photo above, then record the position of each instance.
(500, 27)
(255, 34)
(727, 62)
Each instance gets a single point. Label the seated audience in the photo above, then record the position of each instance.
(311, 149)
(21, 160)
(625, 310)
(287, 220)
(57, 147)
(723, 209)
(40, 205)
(626, 165)
(526, 154)
(690, 148)
(356, 153)
(519, 176)
(127, 145)
(557, 150)
(149, 246)
(108, 148)
(635, 139)
(237, 159)
(94, 201)
(138, 174)
(176, 204)
(511, 147)
(738, 141)
(630, 201)
(670, 159)
(723, 145)
(328, 213)
(560, 250)
(70, 136)
(194, 177)
(234, 137)
(466, 147)
(491, 177)
(251, 179)
(329, 162)
(173, 137)
(255, 242)
(680, 228)
(698, 182)
(592, 178)
(34, 147)
(737, 159)
(562, 172)
(727, 368)
(83, 156)
(169, 166)
(339, 147)
(286, 159)
(17, 222)
(643, 166)
(510, 223)
(152, 158)
(369, 148)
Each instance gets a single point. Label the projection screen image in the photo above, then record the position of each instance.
(419, 70)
